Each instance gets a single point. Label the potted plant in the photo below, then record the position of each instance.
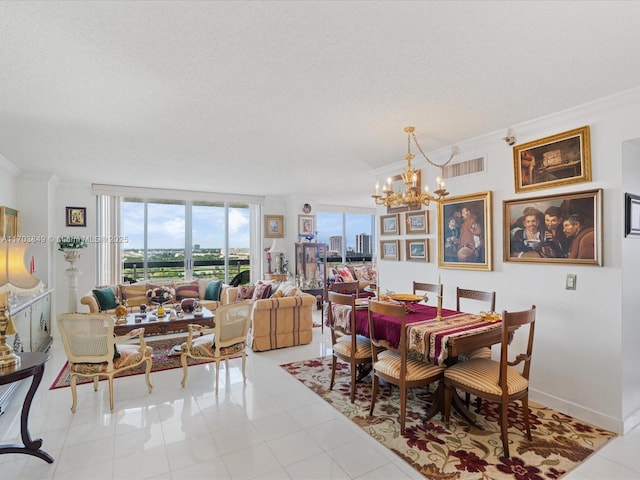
(71, 247)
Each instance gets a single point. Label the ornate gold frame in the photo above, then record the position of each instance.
(9, 222)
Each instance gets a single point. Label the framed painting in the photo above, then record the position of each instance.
(565, 228)
(398, 185)
(9, 222)
(390, 224)
(553, 161)
(417, 250)
(274, 226)
(417, 222)
(631, 215)
(464, 232)
(390, 250)
(306, 225)
(76, 217)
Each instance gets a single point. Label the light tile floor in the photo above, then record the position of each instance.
(270, 428)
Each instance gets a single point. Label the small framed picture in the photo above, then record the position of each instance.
(631, 215)
(9, 222)
(274, 226)
(306, 225)
(390, 224)
(417, 222)
(560, 159)
(390, 250)
(418, 250)
(76, 217)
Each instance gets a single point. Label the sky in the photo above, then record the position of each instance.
(167, 226)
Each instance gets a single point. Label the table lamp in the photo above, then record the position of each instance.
(14, 276)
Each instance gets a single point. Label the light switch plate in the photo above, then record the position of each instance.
(571, 281)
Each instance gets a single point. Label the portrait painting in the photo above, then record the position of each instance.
(464, 232)
(564, 228)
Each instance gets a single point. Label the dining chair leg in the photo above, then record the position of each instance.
(504, 426)
(333, 371)
(403, 409)
(374, 392)
(525, 414)
(353, 382)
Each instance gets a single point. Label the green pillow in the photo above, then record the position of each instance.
(106, 298)
(214, 288)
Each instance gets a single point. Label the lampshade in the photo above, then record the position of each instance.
(14, 274)
(276, 246)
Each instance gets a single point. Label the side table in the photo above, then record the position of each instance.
(31, 365)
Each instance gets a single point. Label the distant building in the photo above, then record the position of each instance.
(363, 244)
(335, 243)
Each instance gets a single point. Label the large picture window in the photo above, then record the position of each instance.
(350, 236)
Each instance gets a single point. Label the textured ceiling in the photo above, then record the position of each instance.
(289, 97)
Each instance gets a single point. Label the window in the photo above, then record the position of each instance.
(182, 238)
(350, 236)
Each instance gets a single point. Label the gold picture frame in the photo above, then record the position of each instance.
(465, 232)
(76, 216)
(390, 224)
(9, 222)
(274, 226)
(390, 250)
(417, 250)
(578, 236)
(553, 161)
(417, 222)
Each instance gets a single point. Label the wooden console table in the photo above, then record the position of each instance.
(31, 365)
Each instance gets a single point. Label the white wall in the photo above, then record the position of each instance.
(582, 365)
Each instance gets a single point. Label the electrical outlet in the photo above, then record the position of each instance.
(571, 281)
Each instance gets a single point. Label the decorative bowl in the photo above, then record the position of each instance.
(406, 297)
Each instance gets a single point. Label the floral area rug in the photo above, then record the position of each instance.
(459, 450)
(162, 360)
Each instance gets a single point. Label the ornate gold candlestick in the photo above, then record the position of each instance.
(7, 357)
(439, 313)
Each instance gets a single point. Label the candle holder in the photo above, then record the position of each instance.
(439, 311)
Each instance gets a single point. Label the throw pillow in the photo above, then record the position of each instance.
(285, 289)
(106, 298)
(345, 273)
(187, 290)
(362, 274)
(213, 291)
(245, 292)
(134, 293)
(262, 290)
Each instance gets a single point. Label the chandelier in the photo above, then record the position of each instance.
(410, 193)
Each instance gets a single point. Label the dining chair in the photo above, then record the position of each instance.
(226, 340)
(347, 346)
(93, 351)
(497, 381)
(427, 287)
(489, 301)
(392, 364)
(345, 287)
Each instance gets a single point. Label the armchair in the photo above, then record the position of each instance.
(228, 339)
(94, 351)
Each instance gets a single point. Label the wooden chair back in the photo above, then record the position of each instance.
(511, 321)
(337, 329)
(391, 310)
(487, 297)
(345, 287)
(433, 288)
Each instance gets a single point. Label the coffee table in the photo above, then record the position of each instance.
(166, 324)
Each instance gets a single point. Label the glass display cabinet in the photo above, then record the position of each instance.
(311, 264)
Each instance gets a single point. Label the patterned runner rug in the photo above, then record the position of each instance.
(458, 451)
(161, 361)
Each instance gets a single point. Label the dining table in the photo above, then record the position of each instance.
(437, 341)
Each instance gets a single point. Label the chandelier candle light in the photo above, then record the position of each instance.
(411, 195)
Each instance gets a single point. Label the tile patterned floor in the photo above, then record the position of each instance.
(272, 428)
